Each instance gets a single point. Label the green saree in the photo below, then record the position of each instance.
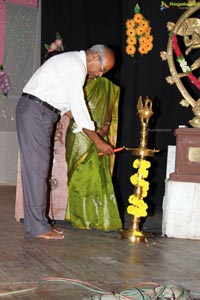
(91, 199)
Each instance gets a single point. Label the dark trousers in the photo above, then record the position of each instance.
(35, 125)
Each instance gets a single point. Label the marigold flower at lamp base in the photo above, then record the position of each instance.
(138, 207)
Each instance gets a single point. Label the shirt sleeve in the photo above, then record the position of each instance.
(77, 103)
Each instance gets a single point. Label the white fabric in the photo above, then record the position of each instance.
(171, 155)
(59, 82)
(181, 210)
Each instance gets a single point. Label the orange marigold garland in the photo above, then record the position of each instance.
(138, 32)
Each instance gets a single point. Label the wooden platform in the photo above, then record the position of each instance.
(93, 257)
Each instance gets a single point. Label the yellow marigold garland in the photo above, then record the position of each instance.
(138, 207)
(138, 33)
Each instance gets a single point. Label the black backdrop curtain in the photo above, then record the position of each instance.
(82, 23)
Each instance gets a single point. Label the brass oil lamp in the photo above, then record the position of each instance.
(144, 112)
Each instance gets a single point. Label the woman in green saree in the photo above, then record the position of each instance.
(91, 199)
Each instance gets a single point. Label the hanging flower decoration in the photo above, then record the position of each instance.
(4, 81)
(138, 32)
(57, 45)
(138, 207)
(183, 63)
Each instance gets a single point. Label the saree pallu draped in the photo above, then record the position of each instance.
(91, 198)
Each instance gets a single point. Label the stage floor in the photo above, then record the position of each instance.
(95, 258)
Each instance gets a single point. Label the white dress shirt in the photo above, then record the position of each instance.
(59, 82)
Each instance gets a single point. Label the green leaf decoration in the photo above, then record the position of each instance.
(46, 46)
(137, 9)
(57, 35)
(1, 67)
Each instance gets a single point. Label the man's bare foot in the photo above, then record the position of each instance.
(56, 229)
(51, 235)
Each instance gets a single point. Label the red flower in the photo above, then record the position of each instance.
(194, 80)
(176, 46)
(178, 53)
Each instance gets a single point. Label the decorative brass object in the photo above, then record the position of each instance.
(144, 112)
(188, 28)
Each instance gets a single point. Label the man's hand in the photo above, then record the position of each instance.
(69, 114)
(104, 147)
(101, 145)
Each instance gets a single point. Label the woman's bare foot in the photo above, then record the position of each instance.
(56, 229)
(51, 235)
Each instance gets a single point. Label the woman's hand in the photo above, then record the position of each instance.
(104, 130)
